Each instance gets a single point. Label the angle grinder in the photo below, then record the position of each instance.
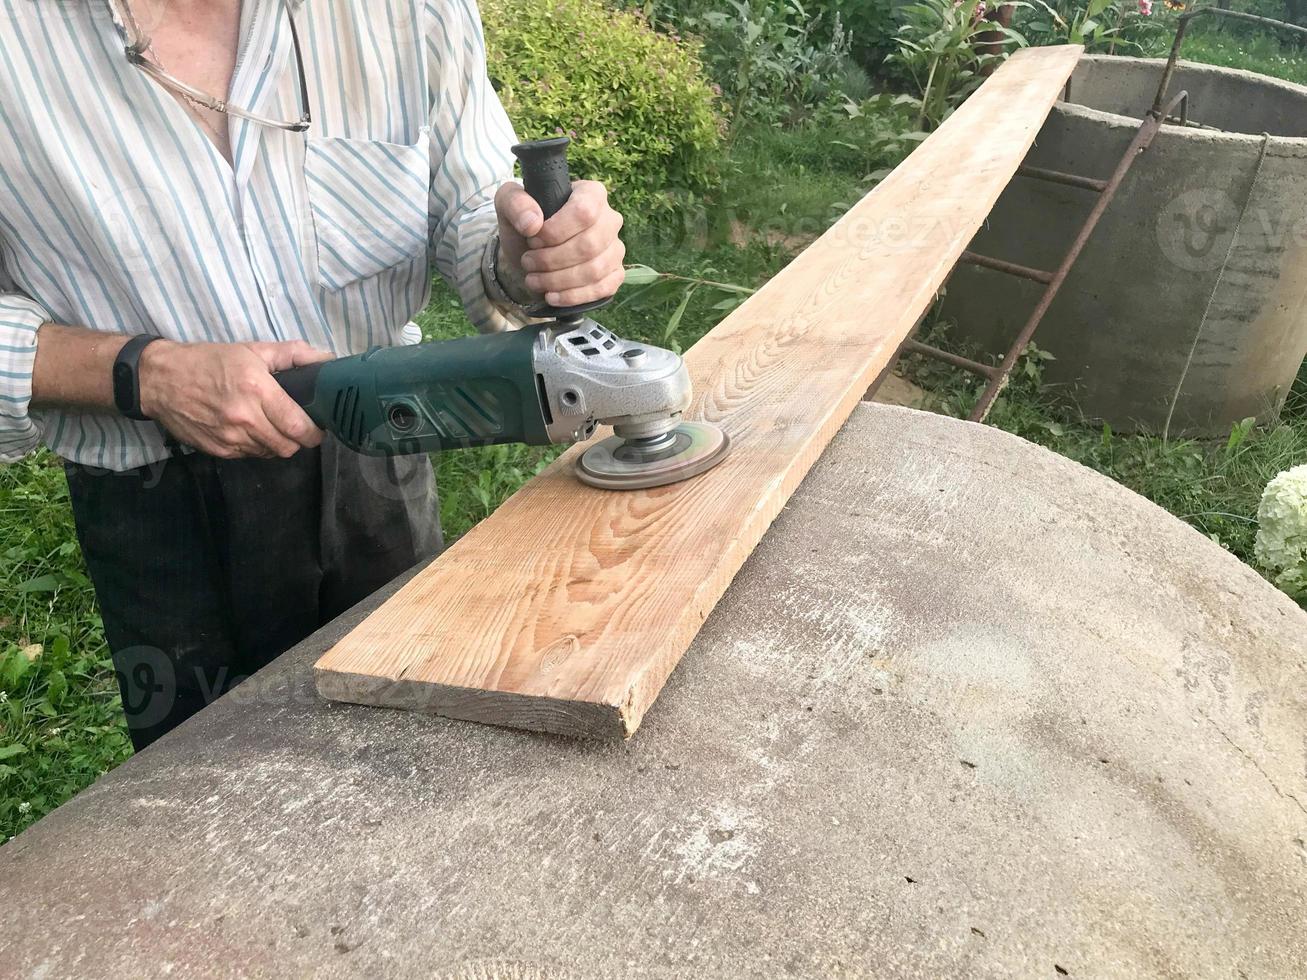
(547, 383)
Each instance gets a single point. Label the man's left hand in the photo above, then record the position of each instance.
(575, 257)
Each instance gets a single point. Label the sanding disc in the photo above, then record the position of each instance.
(615, 464)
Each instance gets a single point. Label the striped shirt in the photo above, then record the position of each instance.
(118, 213)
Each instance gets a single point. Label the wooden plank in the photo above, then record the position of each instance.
(568, 608)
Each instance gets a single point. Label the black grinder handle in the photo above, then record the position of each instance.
(300, 383)
(544, 172)
(546, 178)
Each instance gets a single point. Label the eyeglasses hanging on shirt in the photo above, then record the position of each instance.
(138, 44)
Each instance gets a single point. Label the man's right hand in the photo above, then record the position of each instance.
(222, 399)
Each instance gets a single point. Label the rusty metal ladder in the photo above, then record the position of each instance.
(998, 375)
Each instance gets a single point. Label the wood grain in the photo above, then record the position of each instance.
(567, 609)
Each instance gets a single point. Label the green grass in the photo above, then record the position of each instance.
(61, 724)
(1262, 53)
(793, 182)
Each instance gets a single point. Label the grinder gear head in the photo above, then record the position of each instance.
(588, 376)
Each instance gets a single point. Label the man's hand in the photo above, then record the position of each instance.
(575, 257)
(223, 400)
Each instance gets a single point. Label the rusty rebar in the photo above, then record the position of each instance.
(1182, 25)
(1058, 177)
(1142, 140)
(957, 360)
(1011, 268)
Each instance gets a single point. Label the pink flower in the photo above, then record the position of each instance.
(1146, 7)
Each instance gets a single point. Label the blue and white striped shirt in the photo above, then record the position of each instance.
(118, 213)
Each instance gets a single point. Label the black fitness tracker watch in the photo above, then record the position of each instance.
(126, 381)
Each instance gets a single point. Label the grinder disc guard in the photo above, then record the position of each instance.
(686, 451)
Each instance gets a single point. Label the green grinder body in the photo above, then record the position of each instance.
(472, 391)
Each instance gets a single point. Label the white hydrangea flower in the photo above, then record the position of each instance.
(1281, 545)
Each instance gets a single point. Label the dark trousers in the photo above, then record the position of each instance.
(206, 569)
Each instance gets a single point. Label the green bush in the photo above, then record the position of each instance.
(870, 25)
(942, 48)
(862, 29)
(641, 115)
(1125, 27)
(772, 59)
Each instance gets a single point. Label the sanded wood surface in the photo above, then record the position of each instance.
(567, 609)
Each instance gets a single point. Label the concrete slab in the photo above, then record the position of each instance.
(907, 743)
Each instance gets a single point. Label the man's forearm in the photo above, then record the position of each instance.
(74, 367)
(219, 398)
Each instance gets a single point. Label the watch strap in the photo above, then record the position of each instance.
(499, 292)
(126, 377)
